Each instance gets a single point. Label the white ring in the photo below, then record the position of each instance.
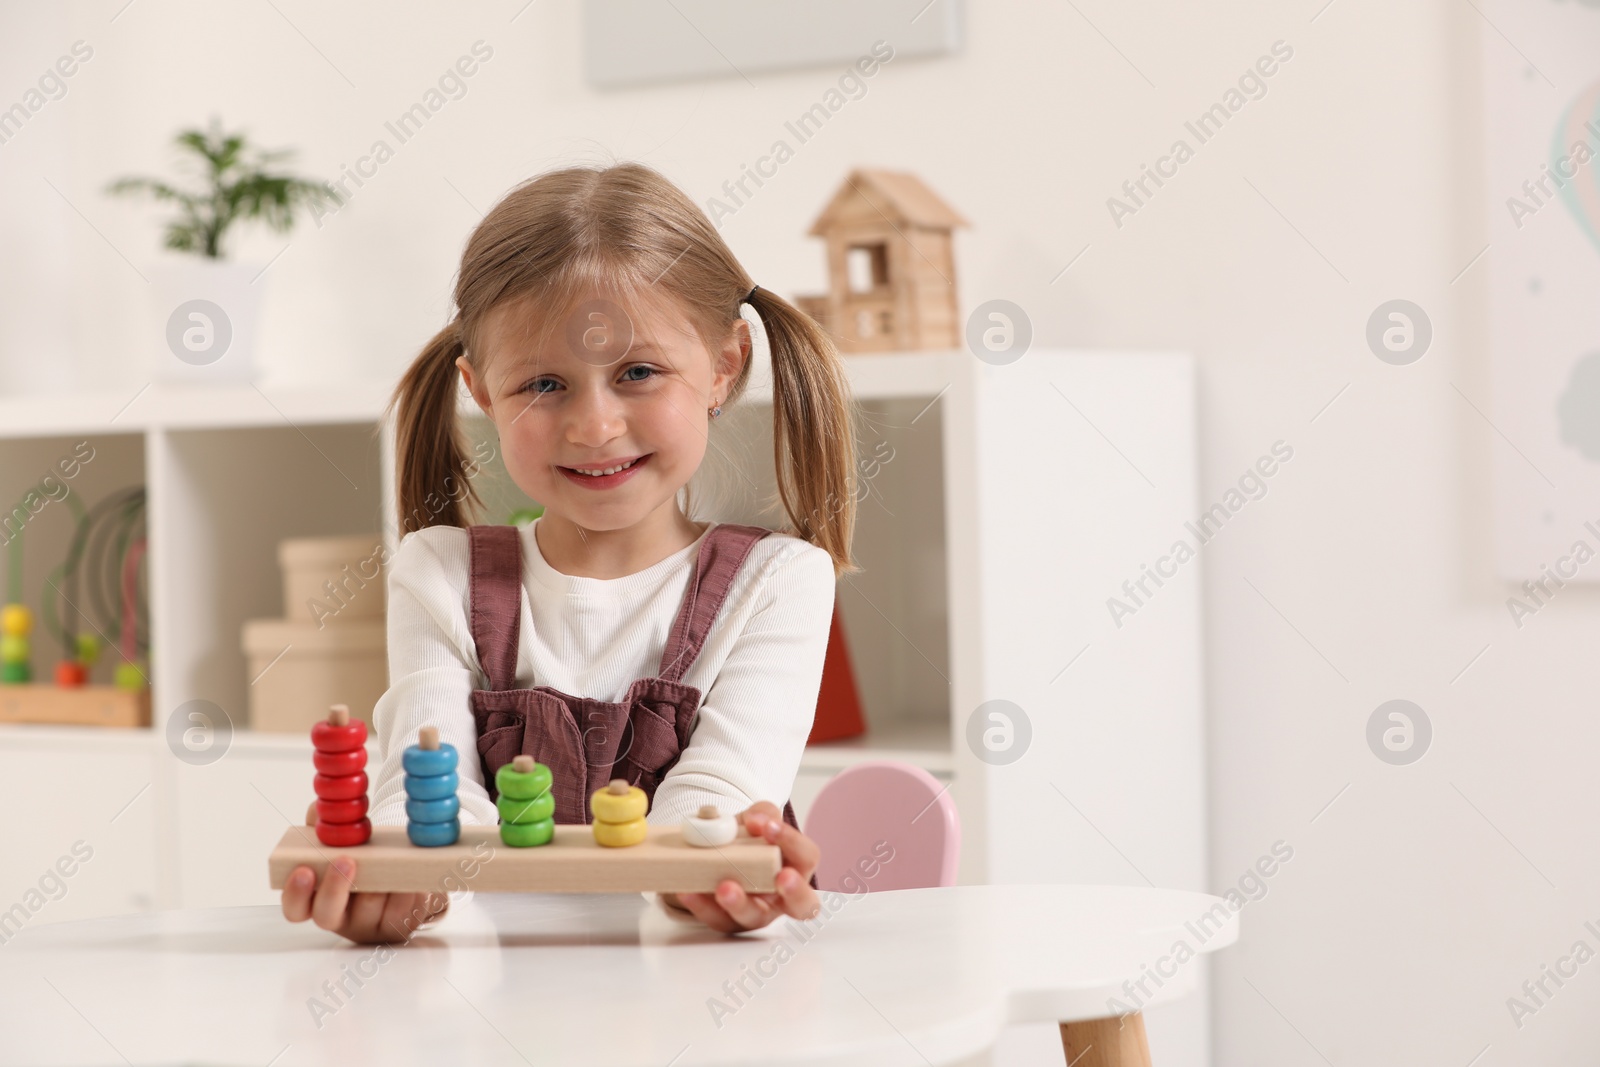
(710, 833)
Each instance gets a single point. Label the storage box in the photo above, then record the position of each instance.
(332, 578)
(298, 669)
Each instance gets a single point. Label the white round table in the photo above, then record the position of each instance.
(915, 977)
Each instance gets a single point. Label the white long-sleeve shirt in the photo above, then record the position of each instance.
(758, 672)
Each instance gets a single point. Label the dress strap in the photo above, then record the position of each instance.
(495, 599)
(721, 555)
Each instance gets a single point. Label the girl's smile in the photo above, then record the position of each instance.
(606, 475)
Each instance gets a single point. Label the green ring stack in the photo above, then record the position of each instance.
(527, 806)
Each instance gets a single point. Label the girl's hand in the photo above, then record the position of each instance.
(365, 918)
(731, 909)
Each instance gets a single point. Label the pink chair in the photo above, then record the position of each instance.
(884, 825)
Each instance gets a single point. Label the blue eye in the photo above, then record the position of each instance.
(627, 376)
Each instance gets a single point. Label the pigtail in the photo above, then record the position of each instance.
(813, 429)
(433, 475)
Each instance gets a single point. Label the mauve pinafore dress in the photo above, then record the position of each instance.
(587, 742)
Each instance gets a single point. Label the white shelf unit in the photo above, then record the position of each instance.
(989, 542)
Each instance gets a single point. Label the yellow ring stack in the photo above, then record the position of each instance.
(619, 811)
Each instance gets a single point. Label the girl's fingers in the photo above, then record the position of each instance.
(796, 897)
(425, 909)
(402, 913)
(749, 911)
(366, 909)
(333, 895)
(798, 850)
(297, 894)
(703, 906)
(363, 917)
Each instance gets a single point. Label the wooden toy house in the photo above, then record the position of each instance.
(891, 266)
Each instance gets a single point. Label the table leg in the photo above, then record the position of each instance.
(1115, 1042)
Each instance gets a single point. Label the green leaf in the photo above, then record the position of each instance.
(234, 184)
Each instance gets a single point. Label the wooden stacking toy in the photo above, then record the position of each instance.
(619, 853)
(527, 806)
(341, 781)
(618, 811)
(709, 828)
(432, 807)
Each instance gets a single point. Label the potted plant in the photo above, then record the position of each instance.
(207, 306)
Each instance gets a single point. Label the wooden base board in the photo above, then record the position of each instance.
(85, 705)
(572, 863)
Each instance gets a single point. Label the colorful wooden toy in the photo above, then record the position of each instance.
(433, 821)
(619, 853)
(526, 804)
(340, 784)
(619, 811)
(709, 828)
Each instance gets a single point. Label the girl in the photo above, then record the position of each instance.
(600, 328)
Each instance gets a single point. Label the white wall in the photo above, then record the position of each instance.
(36, 269)
(1424, 895)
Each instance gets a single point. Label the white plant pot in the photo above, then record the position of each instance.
(205, 314)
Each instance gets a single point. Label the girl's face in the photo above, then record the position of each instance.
(607, 420)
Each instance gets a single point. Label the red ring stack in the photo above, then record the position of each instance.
(341, 782)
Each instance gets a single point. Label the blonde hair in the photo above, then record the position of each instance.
(626, 229)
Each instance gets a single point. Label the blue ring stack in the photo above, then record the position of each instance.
(432, 807)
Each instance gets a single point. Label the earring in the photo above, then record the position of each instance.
(716, 410)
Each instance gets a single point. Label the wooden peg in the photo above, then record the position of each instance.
(522, 764)
(339, 715)
(428, 738)
(709, 811)
(618, 787)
